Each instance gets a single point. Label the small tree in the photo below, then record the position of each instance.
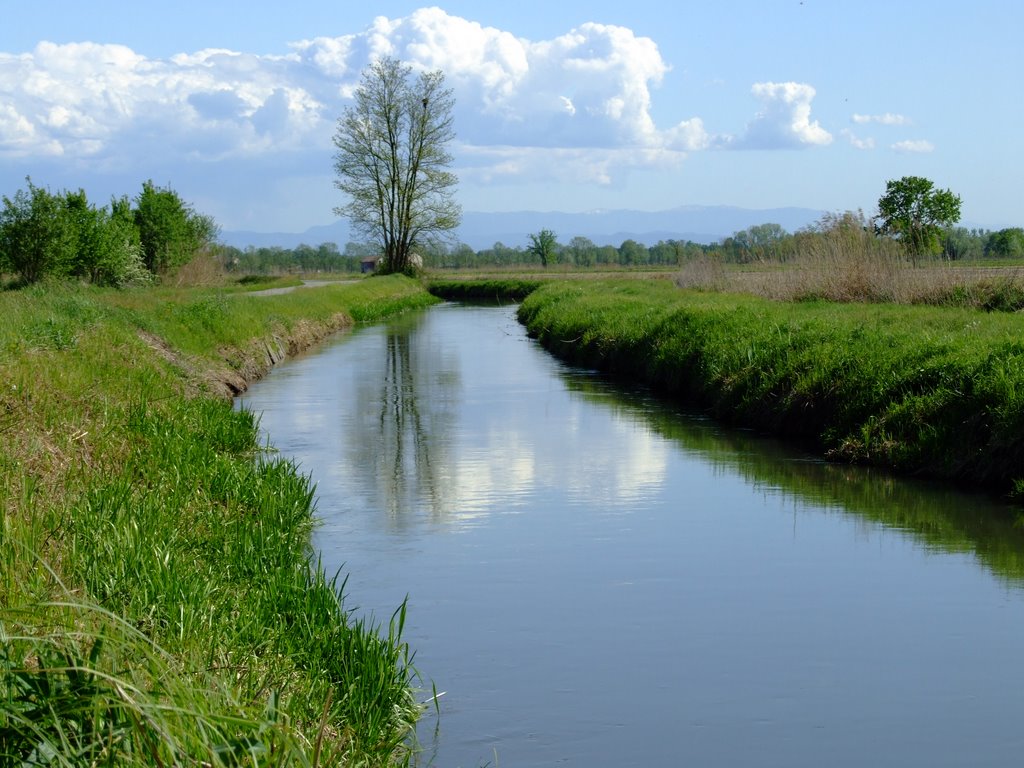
(1006, 243)
(544, 245)
(632, 253)
(171, 233)
(37, 235)
(915, 212)
(392, 160)
(582, 251)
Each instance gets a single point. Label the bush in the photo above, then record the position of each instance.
(37, 237)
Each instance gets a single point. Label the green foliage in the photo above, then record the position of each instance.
(544, 246)
(507, 289)
(106, 242)
(157, 601)
(303, 259)
(762, 242)
(81, 696)
(170, 232)
(915, 212)
(581, 251)
(43, 234)
(1006, 243)
(392, 162)
(932, 391)
(632, 253)
(37, 234)
(961, 243)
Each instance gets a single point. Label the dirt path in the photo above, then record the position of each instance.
(305, 284)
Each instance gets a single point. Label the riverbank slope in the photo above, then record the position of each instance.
(158, 604)
(936, 392)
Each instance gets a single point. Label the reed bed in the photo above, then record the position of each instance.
(845, 261)
(159, 604)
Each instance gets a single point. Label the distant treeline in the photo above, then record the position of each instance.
(303, 259)
(327, 258)
(63, 235)
(763, 243)
(771, 243)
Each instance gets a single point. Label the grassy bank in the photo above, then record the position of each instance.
(483, 288)
(930, 391)
(158, 604)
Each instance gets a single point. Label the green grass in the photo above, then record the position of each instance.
(487, 289)
(158, 600)
(262, 282)
(929, 391)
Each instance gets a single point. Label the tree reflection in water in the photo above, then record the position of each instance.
(403, 429)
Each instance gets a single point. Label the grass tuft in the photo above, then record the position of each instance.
(158, 601)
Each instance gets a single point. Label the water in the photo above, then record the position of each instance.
(596, 578)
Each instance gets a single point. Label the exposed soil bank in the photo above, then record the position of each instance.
(235, 368)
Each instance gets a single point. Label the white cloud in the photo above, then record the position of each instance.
(585, 165)
(886, 119)
(919, 146)
(576, 107)
(85, 99)
(856, 141)
(688, 135)
(784, 121)
(588, 90)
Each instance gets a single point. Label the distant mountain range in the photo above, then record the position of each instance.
(697, 223)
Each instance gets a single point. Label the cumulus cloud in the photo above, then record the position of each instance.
(85, 99)
(886, 119)
(577, 106)
(858, 142)
(916, 146)
(784, 120)
(589, 88)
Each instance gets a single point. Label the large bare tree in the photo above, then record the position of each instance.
(392, 161)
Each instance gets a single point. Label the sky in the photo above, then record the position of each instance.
(567, 106)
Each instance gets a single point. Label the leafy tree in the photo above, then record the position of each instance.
(761, 242)
(105, 242)
(544, 245)
(361, 250)
(963, 243)
(915, 212)
(37, 236)
(581, 251)
(503, 255)
(110, 251)
(607, 254)
(666, 252)
(392, 160)
(1006, 243)
(81, 219)
(171, 233)
(632, 252)
(676, 251)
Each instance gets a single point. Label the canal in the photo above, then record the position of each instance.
(599, 578)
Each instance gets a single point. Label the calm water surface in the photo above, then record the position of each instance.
(598, 579)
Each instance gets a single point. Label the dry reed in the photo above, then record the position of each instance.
(842, 259)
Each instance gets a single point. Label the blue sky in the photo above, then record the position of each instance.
(567, 106)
